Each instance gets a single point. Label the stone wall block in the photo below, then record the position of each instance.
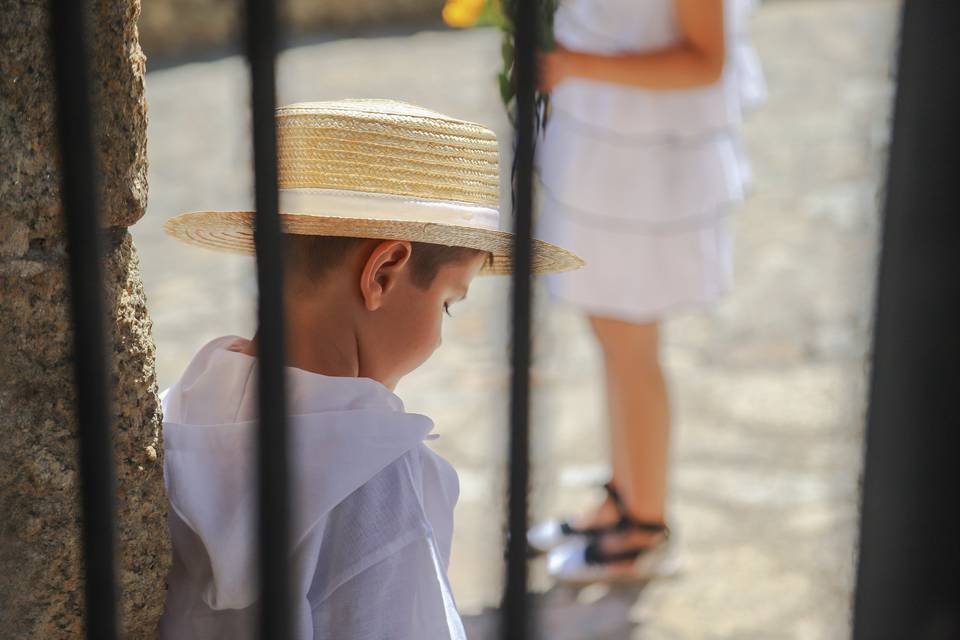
(28, 115)
(122, 118)
(41, 593)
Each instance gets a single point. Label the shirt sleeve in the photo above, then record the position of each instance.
(380, 574)
(402, 597)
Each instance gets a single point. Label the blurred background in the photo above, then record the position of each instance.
(768, 389)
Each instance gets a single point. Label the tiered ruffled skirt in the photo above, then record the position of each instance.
(639, 183)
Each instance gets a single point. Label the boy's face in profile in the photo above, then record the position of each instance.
(405, 329)
(374, 309)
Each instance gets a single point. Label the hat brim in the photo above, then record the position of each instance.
(232, 231)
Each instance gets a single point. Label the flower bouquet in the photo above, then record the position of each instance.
(500, 13)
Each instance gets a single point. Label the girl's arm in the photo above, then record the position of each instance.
(695, 62)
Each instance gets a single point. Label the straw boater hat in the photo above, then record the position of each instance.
(380, 169)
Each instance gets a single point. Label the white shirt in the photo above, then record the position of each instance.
(372, 507)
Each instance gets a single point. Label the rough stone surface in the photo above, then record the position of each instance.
(41, 594)
(28, 123)
(175, 27)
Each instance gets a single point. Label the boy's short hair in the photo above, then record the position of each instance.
(313, 256)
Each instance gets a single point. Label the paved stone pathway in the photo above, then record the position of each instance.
(768, 391)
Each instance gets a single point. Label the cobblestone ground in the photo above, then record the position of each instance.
(768, 390)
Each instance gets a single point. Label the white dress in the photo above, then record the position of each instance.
(639, 182)
(372, 508)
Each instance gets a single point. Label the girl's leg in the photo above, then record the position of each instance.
(639, 418)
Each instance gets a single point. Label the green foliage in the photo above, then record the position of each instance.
(492, 16)
(506, 88)
(544, 38)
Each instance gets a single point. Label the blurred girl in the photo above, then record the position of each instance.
(639, 164)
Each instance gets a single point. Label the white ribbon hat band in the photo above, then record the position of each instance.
(375, 206)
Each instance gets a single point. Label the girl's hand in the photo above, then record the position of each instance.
(554, 68)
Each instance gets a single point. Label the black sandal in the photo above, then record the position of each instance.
(593, 554)
(585, 562)
(552, 533)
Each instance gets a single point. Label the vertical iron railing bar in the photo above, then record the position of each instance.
(516, 615)
(908, 574)
(84, 247)
(273, 485)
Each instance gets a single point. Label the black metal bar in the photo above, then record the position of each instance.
(908, 582)
(516, 615)
(84, 246)
(274, 527)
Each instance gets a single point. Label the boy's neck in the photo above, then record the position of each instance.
(325, 347)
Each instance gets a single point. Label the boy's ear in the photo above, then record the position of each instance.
(384, 265)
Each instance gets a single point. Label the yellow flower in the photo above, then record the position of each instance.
(462, 13)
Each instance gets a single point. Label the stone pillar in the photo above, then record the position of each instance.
(41, 590)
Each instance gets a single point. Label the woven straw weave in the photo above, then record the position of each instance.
(387, 148)
(404, 151)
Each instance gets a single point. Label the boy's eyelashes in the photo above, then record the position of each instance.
(446, 305)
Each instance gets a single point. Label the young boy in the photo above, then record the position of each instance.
(389, 211)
